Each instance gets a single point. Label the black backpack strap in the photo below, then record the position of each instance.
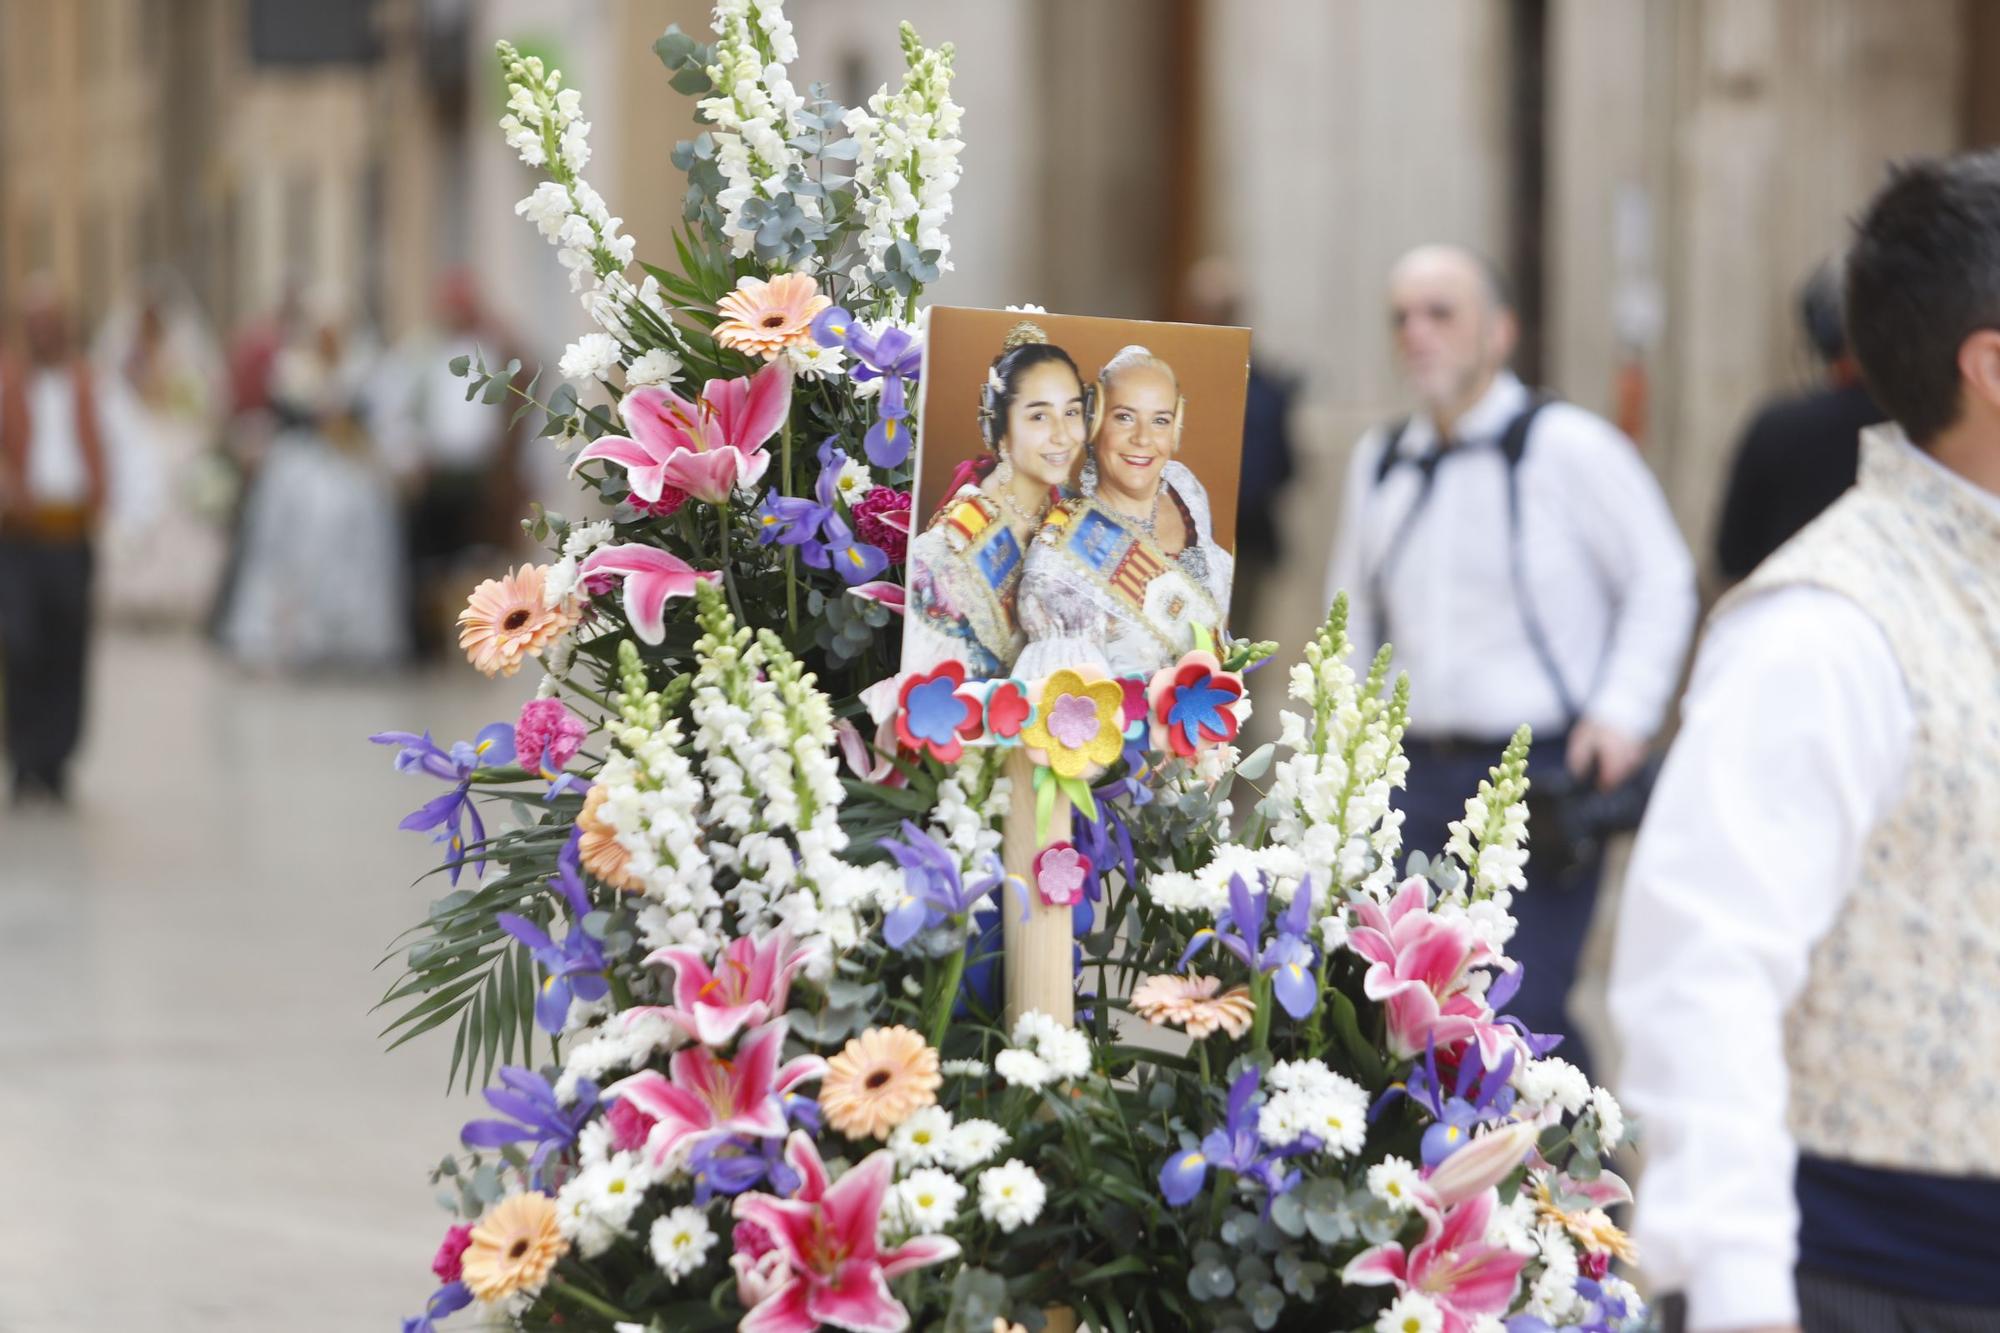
(1514, 447)
(1387, 463)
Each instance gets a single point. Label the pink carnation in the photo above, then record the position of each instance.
(882, 519)
(450, 1260)
(629, 1126)
(751, 1239)
(670, 501)
(547, 736)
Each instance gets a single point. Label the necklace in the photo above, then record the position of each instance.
(1148, 523)
(1004, 477)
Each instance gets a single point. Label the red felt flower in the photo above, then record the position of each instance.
(1008, 710)
(1135, 698)
(1194, 704)
(933, 718)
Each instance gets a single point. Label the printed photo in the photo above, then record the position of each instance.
(1076, 492)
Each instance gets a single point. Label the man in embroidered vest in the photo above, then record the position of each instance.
(1808, 968)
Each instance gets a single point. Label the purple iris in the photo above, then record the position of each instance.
(1234, 1147)
(573, 969)
(892, 356)
(933, 891)
(837, 548)
(539, 1117)
(788, 520)
(1506, 985)
(731, 1165)
(1287, 955)
(1478, 1095)
(446, 1300)
(815, 526)
(451, 813)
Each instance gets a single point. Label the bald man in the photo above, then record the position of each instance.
(1521, 558)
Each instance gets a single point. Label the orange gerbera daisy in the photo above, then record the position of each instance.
(1592, 1227)
(879, 1080)
(764, 318)
(599, 849)
(513, 1247)
(505, 621)
(1191, 1002)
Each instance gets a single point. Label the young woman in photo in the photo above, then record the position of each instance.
(965, 567)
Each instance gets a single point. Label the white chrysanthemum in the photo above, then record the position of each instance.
(813, 362)
(1011, 1195)
(1023, 1069)
(1308, 1099)
(1553, 1295)
(972, 1143)
(963, 1068)
(930, 1199)
(1394, 1181)
(578, 1220)
(1552, 1082)
(920, 1140)
(655, 366)
(854, 481)
(1411, 1312)
(681, 1240)
(593, 356)
(1610, 1118)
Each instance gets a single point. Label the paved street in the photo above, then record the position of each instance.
(200, 1128)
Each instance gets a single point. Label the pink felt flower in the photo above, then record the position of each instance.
(1008, 709)
(1454, 1264)
(652, 577)
(707, 1096)
(747, 986)
(835, 1269)
(547, 736)
(1418, 968)
(706, 449)
(1060, 872)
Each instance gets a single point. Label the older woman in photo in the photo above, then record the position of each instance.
(1121, 576)
(965, 567)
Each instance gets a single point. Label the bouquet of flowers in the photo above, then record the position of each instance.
(725, 943)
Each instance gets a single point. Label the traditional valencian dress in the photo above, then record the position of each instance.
(1098, 591)
(964, 570)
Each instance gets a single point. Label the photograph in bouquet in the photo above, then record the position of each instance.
(1068, 514)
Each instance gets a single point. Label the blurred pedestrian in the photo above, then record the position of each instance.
(163, 382)
(53, 483)
(1801, 451)
(1521, 558)
(320, 577)
(460, 459)
(1807, 973)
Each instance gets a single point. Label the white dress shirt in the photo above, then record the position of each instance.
(1796, 732)
(1610, 577)
(57, 473)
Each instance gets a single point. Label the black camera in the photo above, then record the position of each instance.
(1570, 819)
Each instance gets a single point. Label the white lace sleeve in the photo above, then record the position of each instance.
(1066, 622)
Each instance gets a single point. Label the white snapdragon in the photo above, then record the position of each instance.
(753, 111)
(1491, 842)
(1309, 1099)
(929, 1199)
(1011, 1195)
(680, 1241)
(906, 164)
(973, 1143)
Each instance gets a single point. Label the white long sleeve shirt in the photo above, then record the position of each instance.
(1796, 734)
(1611, 579)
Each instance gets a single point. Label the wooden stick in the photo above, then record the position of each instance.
(1037, 950)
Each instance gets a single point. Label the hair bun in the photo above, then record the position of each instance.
(1022, 334)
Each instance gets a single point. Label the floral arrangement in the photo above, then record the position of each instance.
(724, 933)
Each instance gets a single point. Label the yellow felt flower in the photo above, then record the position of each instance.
(1080, 725)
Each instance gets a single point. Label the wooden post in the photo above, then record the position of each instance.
(1037, 950)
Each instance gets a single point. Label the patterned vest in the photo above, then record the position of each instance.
(1894, 1044)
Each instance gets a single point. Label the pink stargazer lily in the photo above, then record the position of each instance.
(706, 1096)
(834, 1271)
(1482, 1163)
(747, 986)
(652, 577)
(885, 591)
(1454, 1264)
(1418, 968)
(708, 448)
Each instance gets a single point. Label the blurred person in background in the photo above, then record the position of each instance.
(54, 479)
(320, 577)
(163, 383)
(1801, 451)
(1213, 294)
(459, 460)
(1807, 972)
(247, 432)
(1522, 559)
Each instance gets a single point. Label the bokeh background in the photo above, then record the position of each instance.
(201, 1129)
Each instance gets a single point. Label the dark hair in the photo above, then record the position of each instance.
(1923, 276)
(1027, 347)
